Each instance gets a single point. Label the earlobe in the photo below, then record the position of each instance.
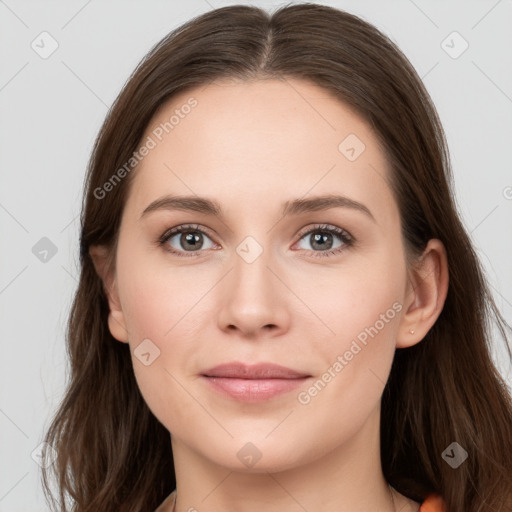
(100, 256)
(117, 326)
(425, 295)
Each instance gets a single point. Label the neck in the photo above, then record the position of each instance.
(346, 479)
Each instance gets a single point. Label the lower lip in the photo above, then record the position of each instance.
(253, 390)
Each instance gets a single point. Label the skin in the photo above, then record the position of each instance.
(251, 146)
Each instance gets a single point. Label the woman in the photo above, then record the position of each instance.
(278, 307)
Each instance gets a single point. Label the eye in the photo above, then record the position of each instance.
(321, 237)
(190, 240)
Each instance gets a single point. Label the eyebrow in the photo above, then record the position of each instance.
(291, 207)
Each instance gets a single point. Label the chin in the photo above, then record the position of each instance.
(256, 456)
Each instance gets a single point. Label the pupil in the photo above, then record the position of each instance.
(190, 238)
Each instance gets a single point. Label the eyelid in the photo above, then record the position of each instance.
(326, 227)
(347, 239)
(168, 233)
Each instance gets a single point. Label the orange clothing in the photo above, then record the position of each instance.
(433, 503)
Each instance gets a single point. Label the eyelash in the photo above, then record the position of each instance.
(344, 236)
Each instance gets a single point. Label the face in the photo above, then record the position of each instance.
(319, 290)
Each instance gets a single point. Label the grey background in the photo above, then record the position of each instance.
(51, 110)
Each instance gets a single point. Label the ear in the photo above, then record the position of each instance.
(426, 292)
(101, 258)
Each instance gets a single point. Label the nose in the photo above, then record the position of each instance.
(253, 301)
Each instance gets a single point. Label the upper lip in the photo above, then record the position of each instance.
(255, 371)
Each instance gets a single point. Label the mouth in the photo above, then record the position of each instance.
(253, 383)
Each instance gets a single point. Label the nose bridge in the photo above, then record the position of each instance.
(251, 297)
(251, 261)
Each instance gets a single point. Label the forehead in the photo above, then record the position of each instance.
(247, 143)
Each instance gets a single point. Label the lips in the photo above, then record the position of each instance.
(237, 370)
(253, 383)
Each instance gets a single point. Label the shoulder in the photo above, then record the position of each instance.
(433, 503)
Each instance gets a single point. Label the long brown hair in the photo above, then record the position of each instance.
(112, 453)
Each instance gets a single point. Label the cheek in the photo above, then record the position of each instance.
(158, 312)
(159, 305)
(370, 301)
(157, 298)
(362, 311)
(357, 297)
(360, 308)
